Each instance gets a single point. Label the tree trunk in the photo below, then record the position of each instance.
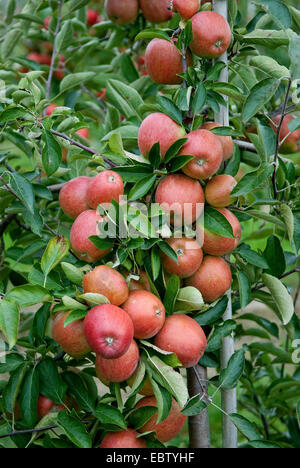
(198, 425)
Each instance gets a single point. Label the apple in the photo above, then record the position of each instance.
(218, 190)
(42, 59)
(189, 254)
(146, 390)
(158, 127)
(292, 143)
(50, 109)
(207, 151)
(226, 141)
(84, 133)
(123, 12)
(104, 188)
(186, 8)
(85, 226)
(46, 406)
(164, 62)
(59, 72)
(93, 17)
(180, 197)
(141, 284)
(118, 369)
(183, 336)
(211, 34)
(156, 11)
(127, 438)
(107, 281)
(212, 279)
(147, 313)
(217, 245)
(73, 196)
(168, 428)
(71, 338)
(108, 330)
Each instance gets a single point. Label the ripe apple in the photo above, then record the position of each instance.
(140, 284)
(186, 8)
(218, 190)
(50, 109)
(107, 281)
(183, 336)
(93, 17)
(108, 330)
(127, 438)
(104, 188)
(156, 11)
(207, 151)
(46, 406)
(211, 34)
(160, 128)
(59, 72)
(146, 390)
(147, 313)
(84, 133)
(292, 143)
(217, 245)
(189, 254)
(168, 428)
(164, 62)
(71, 338)
(42, 59)
(122, 12)
(212, 279)
(181, 197)
(73, 196)
(119, 369)
(226, 141)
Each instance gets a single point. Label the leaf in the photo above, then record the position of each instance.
(75, 79)
(78, 388)
(28, 295)
(23, 188)
(171, 293)
(274, 256)
(264, 444)
(259, 95)
(230, 376)
(298, 413)
(10, 41)
(12, 388)
(252, 257)
(180, 161)
(162, 397)
(56, 250)
(199, 99)
(142, 187)
(13, 113)
(247, 428)
(74, 274)
(270, 348)
(12, 362)
(125, 98)
(51, 383)
(72, 304)
(278, 11)
(155, 155)
(9, 321)
(264, 323)
(267, 38)
(213, 314)
(128, 68)
(74, 315)
(167, 250)
(74, 430)
(174, 149)
(140, 416)
(155, 262)
(169, 108)
(270, 66)
(281, 297)
(189, 299)
(215, 222)
(295, 57)
(39, 324)
(51, 154)
(110, 415)
(244, 289)
(94, 298)
(29, 397)
(77, 4)
(152, 34)
(194, 406)
(215, 339)
(65, 36)
(266, 217)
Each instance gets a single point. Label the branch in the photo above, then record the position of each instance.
(288, 273)
(55, 188)
(246, 145)
(34, 431)
(48, 87)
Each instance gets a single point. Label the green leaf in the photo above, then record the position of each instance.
(74, 430)
(244, 289)
(278, 11)
(28, 295)
(155, 155)
(75, 79)
(125, 98)
(274, 256)
(9, 320)
(199, 99)
(65, 36)
(167, 249)
(215, 222)
(266, 217)
(155, 262)
(171, 293)
(12, 388)
(259, 95)
(169, 108)
(152, 34)
(252, 257)
(247, 428)
(74, 274)
(270, 66)
(252, 180)
(140, 416)
(298, 412)
(51, 383)
(174, 149)
(12, 113)
(267, 38)
(282, 298)
(215, 339)
(264, 444)
(56, 250)
(23, 188)
(12, 362)
(51, 154)
(39, 324)
(11, 39)
(29, 397)
(194, 406)
(270, 348)
(72, 304)
(230, 376)
(110, 415)
(128, 68)
(162, 396)
(295, 57)
(74, 315)
(213, 314)
(142, 187)
(189, 299)
(80, 391)
(180, 161)
(94, 298)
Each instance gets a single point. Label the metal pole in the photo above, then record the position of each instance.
(198, 425)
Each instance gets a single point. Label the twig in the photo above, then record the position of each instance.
(34, 431)
(55, 188)
(288, 273)
(278, 131)
(246, 145)
(184, 64)
(51, 70)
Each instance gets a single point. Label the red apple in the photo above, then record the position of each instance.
(46, 406)
(84, 133)
(208, 154)
(186, 8)
(108, 330)
(107, 281)
(73, 196)
(71, 338)
(156, 11)
(226, 141)
(93, 17)
(211, 34)
(122, 12)
(189, 254)
(147, 313)
(104, 188)
(127, 438)
(118, 369)
(140, 284)
(50, 109)
(212, 279)
(183, 336)
(168, 428)
(218, 190)
(146, 390)
(160, 128)
(292, 142)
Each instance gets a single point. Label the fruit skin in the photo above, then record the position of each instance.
(183, 336)
(126, 438)
(156, 11)
(104, 188)
(84, 132)
(211, 34)
(119, 369)
(122, 12)
(218, 190)
(208, 152)
(158, 127)
(168, 428)
(292, 143)
(51, 108)
(217, 245)
(226, 141)
(190, 257)
(146, 390)
(85, 226)
(108, 330)
(186, 8)
(46, 406)
(93, 17)
(160, 51)
(71, 338)
(212, 279)
(141, 284)
(107, 281)
(147, 313)
(73, 196)
(181, 197)
(42, 59)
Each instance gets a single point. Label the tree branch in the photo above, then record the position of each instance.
(246, 145)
